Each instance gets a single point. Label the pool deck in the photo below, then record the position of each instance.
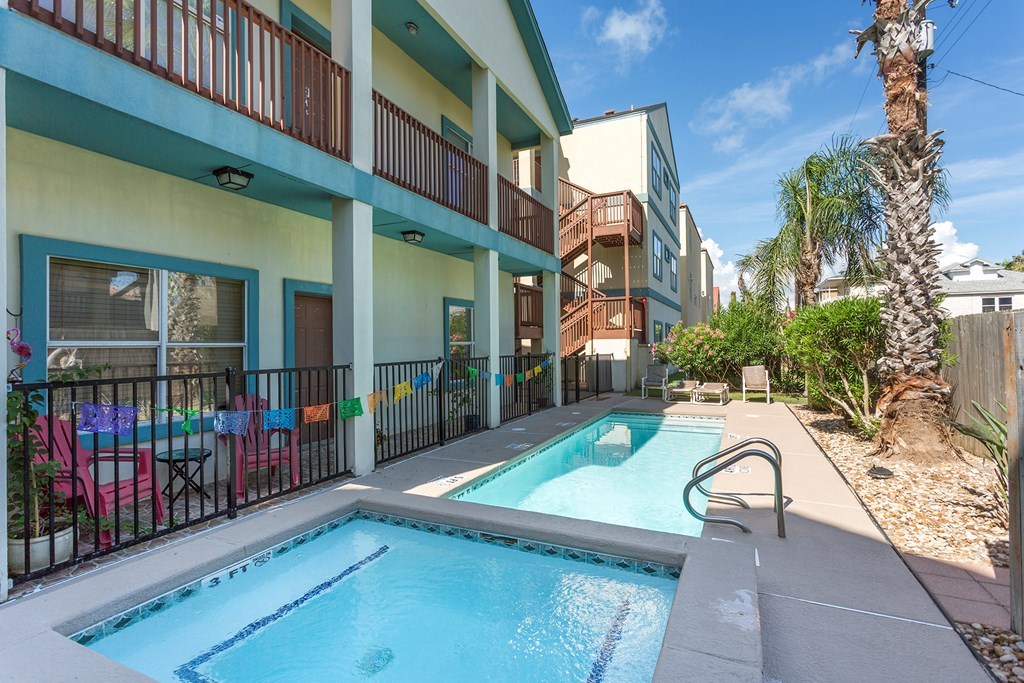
(832, 601)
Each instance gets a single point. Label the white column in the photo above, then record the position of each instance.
(549, 176)
(553, 331)
(352, 47)
(352, 278)
(3, 307)
(485, 134)
(486, 327)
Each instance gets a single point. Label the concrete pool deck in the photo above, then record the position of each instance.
(834, 601)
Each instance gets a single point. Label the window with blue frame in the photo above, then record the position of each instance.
(655, 169)
(459, 328)
(656, 259)
(659, 331)
(673, 272)
(673, 202)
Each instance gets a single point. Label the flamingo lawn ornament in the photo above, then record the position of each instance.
(21, 349)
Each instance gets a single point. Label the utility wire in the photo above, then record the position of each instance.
(978, 80)
(856, 111)
(963, 33)
(961, 12)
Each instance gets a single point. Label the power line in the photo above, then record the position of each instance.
(856, 111)
(960, 14)
(991, 85)
(963, 33)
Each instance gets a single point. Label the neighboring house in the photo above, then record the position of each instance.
(979, 286)
(708, 295)
(376, 141)
(618, 201)
(975, 286)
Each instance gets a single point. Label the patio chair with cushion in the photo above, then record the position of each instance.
(656, 378)
(680, 391)
(755, 378)
(718, 390)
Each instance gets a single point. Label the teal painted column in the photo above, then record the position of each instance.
(4, 306)
(486, 328)
(352, 47)
(485, 134)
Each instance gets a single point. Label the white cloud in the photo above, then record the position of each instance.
(729, 118)
(726, 276)
(632, 35)
(953, 250)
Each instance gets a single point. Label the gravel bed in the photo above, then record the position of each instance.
(1003, 650)
(944, 511)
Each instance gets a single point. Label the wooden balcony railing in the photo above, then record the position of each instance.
(410, 154)
(223, 50)
(523, 217)
(529, 304)
(618, 211)
(570, 195)
(620, 316)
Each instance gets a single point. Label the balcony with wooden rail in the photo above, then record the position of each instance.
(226, 51)
(611, 219)
(529, 307)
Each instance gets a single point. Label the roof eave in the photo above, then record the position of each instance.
(529, 30)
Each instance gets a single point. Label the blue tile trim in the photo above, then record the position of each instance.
(611, 640)
(188, 672)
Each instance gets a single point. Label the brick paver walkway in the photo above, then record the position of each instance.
(971, 593)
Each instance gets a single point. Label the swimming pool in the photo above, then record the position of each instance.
(385, 598)
(626, 469)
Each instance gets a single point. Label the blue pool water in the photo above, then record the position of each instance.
(623, 469)
(373, 601)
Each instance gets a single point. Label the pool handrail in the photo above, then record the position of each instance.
(726, 451)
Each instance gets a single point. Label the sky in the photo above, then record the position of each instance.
(755, 87)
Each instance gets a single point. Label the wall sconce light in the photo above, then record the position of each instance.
(412, 28)
(412, 236)
(232, 178)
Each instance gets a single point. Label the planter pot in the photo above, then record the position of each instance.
(39, 548)
(471, 422)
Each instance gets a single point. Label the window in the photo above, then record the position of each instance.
(673, 272)
(673, 203)
(988, 304)
(140, 321)
(658, 251)
(460, 329)
(659, 331)
(655, 170)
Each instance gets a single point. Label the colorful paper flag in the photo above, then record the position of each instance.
(529, 374)
(231, 421)
(103, 419)
(420, 381)
(377, 398)
(436, 370)
(188, 413)
(520, 377)
(279, 419)
(352, 407)
(473, 373)
(509, 380)
(546, 363)
(401, 391)
(484, 375)
(316, 413)
(537, 370)
(499, 379)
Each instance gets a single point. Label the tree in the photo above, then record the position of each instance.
(1016, 263)
(904, 166)
(829, 214)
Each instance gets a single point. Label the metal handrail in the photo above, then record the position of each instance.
(726, 451)
(776, 466)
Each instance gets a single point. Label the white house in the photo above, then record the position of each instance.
(980, 286)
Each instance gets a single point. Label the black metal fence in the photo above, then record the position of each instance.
(452, 405)
(97, 465)
(585, 376)
(527, 397)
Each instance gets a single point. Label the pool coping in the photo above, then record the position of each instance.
(714, 610)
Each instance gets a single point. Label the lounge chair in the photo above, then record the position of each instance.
(755, 378)
(656, 378)
(718, 390)
(680, 391)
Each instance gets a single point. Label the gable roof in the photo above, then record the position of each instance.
(616, 114)
(529, 30)
(1008, 282)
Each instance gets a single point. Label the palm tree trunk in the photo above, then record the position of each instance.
(914, 397)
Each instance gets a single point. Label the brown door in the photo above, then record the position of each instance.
(314, 347)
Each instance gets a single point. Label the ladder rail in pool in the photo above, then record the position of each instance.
(699, 478)
(728, 497)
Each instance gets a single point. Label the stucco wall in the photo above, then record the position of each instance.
(606, 156)
(63, 192)
(690, 241)
(968, 304)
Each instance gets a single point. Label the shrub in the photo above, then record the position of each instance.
(991, 432)
(838, 344)
(697, 351)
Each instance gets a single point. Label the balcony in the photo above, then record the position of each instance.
(610, 219)
(529, 305)
(523, 217)
(227, 52)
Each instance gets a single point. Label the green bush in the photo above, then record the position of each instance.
(838, 345)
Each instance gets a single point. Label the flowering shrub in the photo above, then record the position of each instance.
(698, 351)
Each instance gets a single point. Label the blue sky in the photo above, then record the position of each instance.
(754, 87)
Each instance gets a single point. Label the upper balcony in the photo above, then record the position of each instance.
(226, 51)
(611, 219)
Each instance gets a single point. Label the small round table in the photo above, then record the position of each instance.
(178, 461)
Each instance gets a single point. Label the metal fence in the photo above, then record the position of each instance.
(529, 396)
(454, 405)
(585, 376)
(86, 480)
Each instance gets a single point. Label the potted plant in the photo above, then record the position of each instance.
(41, 500)
(462, 399)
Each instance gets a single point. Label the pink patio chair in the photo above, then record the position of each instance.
(253, 449)
(100, 499)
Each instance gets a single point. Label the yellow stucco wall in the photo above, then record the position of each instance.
(64, 192)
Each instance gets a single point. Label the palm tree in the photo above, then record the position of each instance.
(829, 214)
(914, 398)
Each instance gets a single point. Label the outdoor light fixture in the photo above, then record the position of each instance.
(412, 236)
(232, 178)
(412, 28)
